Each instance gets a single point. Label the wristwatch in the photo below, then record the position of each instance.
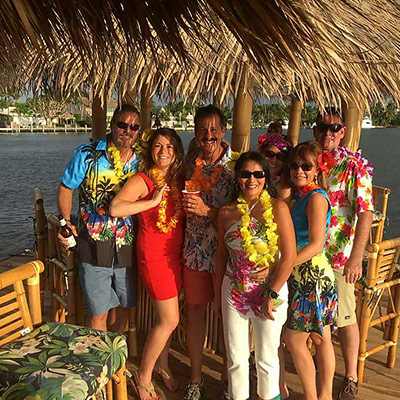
(273, 294)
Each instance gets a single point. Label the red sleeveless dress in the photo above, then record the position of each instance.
(159, 255)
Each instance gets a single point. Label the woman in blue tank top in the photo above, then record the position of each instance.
(312, 292)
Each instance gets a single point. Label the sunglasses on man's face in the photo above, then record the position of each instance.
(124, 125)
(334, 128)
(270, 154)
(245, 174)
(305, 167)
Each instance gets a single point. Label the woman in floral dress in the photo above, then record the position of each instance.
(254, 232)
(312, 292)
(156, 197)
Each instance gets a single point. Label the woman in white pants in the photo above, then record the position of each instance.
(255, 233)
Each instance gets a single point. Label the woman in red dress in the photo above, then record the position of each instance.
(155, 196)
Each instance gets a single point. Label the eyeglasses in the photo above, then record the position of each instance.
(124, 125)
(334, 128)
(245, 174)
(270, 154)
(305, 167)
(271, 131)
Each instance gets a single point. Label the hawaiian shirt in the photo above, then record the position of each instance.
(349, 184)
(200, 246)
(90, 170)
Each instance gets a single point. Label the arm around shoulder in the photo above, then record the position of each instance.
(126, 201)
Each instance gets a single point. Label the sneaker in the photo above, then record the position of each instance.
(194, 391)
(349, 390)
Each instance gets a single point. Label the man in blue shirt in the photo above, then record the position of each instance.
(106, 245)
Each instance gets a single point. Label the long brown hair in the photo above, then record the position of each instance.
(175, 173)
(309, 150)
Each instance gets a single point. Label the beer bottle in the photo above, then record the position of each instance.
(66, 232)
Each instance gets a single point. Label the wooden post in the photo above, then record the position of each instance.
(294, 120)
(353, 117)
(99, 111)
(40, 225)
(146, 104)
(242, 109)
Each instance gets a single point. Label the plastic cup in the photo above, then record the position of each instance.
(196, 193)
(187, 193)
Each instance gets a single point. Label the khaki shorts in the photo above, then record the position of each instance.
(346, 300)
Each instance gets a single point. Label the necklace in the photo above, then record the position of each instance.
(118, 166)
(162, 223)
(258, 251)
(199, 181)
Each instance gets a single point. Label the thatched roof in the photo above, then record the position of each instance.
(346, 48)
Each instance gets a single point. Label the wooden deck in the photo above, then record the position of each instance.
(379, 382)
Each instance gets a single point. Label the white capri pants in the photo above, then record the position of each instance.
(267, 339)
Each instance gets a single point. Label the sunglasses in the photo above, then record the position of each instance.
(124, 125)
(271, 131)
(245, 174)
(334, 128)
(270, 154)
(305, 167)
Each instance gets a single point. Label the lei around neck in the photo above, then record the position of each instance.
(162, 223)
(257, 250)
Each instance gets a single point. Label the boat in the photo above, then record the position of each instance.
(366, 124)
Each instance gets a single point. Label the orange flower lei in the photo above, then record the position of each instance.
(162, 223)
(199, 181)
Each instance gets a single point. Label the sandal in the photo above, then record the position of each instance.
(148, 387)
(166, 376)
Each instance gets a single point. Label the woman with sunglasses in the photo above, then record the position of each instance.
(254, 232)
(155, 196)
(275, 147)
(312, 292)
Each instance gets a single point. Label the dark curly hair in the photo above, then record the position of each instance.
(175, 173)
(259, 159)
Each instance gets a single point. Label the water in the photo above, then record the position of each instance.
(33, 160)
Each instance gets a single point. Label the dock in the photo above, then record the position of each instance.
(379, 382)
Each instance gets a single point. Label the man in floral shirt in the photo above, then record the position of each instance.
(207, 172)
(349, 181)
(105, 244)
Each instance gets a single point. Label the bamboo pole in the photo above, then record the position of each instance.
(294, 120)
(146, 105)
(34, 301)
(99, 112)
(242, 109)
(353, 117)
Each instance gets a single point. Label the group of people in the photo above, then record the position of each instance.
(278, 241)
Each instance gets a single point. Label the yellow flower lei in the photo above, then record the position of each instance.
(233, 158)
(162, 224)
(116, 162)
(260, 252)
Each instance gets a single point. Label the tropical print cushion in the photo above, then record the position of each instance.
(60, 361)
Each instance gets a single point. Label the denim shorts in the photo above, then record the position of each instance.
(106, 288)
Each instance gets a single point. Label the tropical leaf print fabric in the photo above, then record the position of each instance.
(312, 296)
(350, 193)
(312, 289)
(60, 361)
(91, 171)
